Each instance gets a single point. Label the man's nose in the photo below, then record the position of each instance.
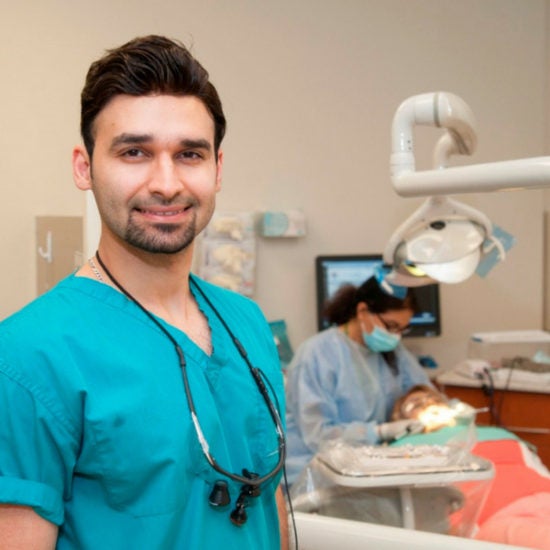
(165, 178)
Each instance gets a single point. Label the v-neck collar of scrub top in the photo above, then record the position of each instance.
(113, 297)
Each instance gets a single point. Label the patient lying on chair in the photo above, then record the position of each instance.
(517, 507)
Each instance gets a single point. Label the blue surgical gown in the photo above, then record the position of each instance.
(95, 430)
(338, 388)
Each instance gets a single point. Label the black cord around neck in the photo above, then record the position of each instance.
(147, 312)
(256, 375)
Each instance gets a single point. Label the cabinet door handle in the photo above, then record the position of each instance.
(543, 431)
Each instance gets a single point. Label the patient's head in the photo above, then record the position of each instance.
(417, 399)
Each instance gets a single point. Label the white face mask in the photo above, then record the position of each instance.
(380, 340)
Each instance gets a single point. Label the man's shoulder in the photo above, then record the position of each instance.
(38, 314)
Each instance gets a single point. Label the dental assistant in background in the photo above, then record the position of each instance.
(130, 418)
(343, 382)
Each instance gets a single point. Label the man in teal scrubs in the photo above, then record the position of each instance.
(133, 390)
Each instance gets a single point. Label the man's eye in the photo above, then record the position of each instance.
(132, 153)
(191, 155)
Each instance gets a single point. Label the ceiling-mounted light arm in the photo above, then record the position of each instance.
(531, 173)
(445, 148)
(445, 110)
(439, 109)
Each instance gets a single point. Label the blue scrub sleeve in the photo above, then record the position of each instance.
(36, 450)
(312, 392)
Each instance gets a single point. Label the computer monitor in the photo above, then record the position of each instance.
(334, 271)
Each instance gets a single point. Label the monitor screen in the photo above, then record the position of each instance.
(334, 271)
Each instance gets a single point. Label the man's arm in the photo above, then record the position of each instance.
(283, 518)
(21, 528)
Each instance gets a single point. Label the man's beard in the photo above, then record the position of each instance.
(160, 238)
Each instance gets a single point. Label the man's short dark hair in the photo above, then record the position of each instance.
(148, 65)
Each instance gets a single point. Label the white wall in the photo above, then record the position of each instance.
(309, 88)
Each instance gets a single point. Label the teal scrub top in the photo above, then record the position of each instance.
(95, 430)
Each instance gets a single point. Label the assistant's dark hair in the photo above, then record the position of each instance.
(343, 306)
(147, 65)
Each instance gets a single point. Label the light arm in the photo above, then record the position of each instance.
(438, 109)
(446, 110)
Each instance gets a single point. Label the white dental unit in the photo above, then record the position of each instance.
(325, 533)
(443, 241)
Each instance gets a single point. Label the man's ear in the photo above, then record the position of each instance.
(219, 166)
(82, 170)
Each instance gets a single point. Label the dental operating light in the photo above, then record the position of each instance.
(441, 241)
(444, 240)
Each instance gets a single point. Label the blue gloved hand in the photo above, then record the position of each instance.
(391, 431)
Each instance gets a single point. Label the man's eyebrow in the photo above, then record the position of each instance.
(196, 144)
(130, 139)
